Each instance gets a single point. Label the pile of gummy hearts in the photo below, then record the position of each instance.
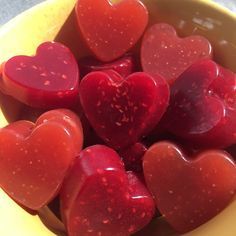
(124, 135)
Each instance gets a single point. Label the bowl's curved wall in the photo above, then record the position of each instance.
(48, 21)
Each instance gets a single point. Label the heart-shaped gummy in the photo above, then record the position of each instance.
(123, 110)
(100, 198)
(203, 106)
(111, 29)
(164, 53)
(48, 79)
(125, 65)
(189, 192)
(34, 158)
(69, 120)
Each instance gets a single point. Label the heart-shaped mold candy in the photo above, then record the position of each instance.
(202, 107)
(69, 120)
(164, 53)
(50, 79)
(34, 158)
(122, 110)
(100, 198)
(189, 192)
(111, 29)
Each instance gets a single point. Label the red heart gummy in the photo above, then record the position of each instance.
(123, 110)
(133, 157)
(203, 106)
(164, 53)
(189, 192)
(69, 120)
(124, 66)
(100, 198)
(49, 79)
(110, 30)
(34, 158)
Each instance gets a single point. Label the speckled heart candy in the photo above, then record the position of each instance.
(123, 110)
(111, 29)
(47, 80)
(99, 198)
(164, 53)
(35, 157)
(189, 191)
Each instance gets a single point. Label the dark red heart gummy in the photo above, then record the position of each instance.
(100, 198)
(34, 158)
(122, 110)
(189, 192)
(124, 66)
(164, 53)
(202, 108)
(232, 151)
(49, 79)
(133, 157)
(90, 136)
(111, 29)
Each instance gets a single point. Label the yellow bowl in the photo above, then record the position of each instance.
(54, 20)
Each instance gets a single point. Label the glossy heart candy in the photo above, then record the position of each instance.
(123, 110)
(124, 66)
(189, 192)
(49, 79)
(203, 106)
(69, 120)
(164, 53)
(100, 198)
(34, 158)
(111, 29)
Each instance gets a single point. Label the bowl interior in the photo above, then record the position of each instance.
(58, 23)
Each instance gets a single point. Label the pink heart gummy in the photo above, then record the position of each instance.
(100, 198)
(189, 192)
(111, 29)
(202, 108)
(164, 53)
(123, 110)
(47, 80)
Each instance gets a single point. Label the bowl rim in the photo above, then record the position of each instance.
(206, 3)
(222, 8)
(217, 6)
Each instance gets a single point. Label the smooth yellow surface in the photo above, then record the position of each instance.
(23, 34)
(222, 225)
(41, 23)
(14, 221)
